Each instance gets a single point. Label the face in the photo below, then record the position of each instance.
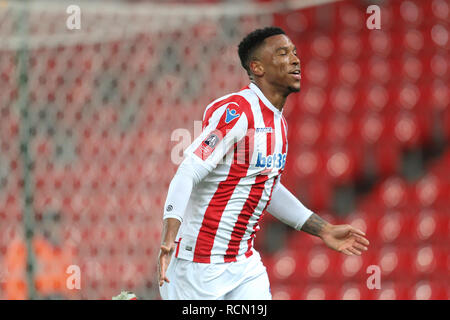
(278, 63)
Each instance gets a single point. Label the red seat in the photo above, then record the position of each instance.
(316, 73)
(355, 291)
(392, 290)
(349, 45)
(323, 264)
(412, 69)
(309, 132)
(429, 290)
(439, 96)
(349, 17)
(340, 165)
(308, 163)
(287, 266)
(380, 43)
(343, 98)
(394, 262)
(394, 227)
(430, 261)
(319, 291)
(338, 129)
(438, 9)
(428, 225)
(313, 100)
(428, 190)
(287, 292)
(406, 129)
(392, 193)
(370, 128)
(353, 267)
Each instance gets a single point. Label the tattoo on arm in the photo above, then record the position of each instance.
(314, 225)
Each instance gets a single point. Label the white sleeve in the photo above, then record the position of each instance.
(189, 173)
(223, 128)
(287, 208)
(226, 126)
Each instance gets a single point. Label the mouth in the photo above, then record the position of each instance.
(296, 74)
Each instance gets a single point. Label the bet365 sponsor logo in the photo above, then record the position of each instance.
(276, 160)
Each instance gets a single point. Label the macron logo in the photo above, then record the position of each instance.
(231, 115)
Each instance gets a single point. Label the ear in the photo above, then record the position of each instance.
(257, 68)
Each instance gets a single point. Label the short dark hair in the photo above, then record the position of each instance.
(252, 41)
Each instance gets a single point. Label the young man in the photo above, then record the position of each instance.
(230, 175)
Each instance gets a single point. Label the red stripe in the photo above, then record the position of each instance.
(240, 227)
(268, 117)
(178, 248)
(236, 102)
(255, 227)
(215, 209)
(209, 112)
(284, 136)
(255, 194)
(284, 133)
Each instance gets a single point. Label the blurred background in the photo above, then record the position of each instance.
(87, 116)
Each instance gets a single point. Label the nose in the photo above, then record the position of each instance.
(295, 60)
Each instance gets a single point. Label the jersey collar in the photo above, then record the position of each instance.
(266, 101)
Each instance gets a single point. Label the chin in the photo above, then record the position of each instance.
(295, 88)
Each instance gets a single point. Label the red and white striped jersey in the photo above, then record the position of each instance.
(244, 145)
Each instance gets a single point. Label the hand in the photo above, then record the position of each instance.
(345, 238)
(165, 255)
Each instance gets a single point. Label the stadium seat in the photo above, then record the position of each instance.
(426, 224)
(323, 264)
(393, 193)
(394, 227)
(319, 291)
(430, 261)
(352, 267)
(308, 132)
(392, 290)
(316, 72)
(355, 291)
(430, 189)
(340, 165)
(309, 164)
(406, 129)
(394, 261)
(101, 115)
(428, 290)
(285, 292)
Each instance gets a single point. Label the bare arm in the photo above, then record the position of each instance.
(170, 230)
(343, 238)
(315, 225)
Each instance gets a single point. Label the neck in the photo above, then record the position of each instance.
(276, 96)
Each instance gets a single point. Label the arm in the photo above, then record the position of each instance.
(315, 225)
(188, 175)
(343, 238)
(201, 157)
(288, 209)
(170, 230)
